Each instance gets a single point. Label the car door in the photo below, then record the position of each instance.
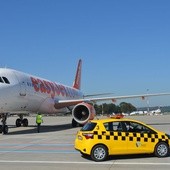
(116, 136)
(139, 138)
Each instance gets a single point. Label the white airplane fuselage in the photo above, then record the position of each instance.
(30, 94)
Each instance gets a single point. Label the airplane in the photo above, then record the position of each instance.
(146, 112)
(22, 93)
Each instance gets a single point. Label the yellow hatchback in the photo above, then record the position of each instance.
(101, 138)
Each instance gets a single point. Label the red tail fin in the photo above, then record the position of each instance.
(77, 81)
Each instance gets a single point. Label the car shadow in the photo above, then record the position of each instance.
(124, 157)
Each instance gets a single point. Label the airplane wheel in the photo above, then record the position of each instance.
(18, 122)
(0, 128)
(4, 129)
(25, 122)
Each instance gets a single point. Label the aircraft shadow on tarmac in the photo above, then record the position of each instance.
(33, 129)
(50, 128)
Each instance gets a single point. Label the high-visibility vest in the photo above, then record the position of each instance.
(38, 119)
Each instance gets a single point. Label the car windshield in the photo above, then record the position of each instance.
(88, 126)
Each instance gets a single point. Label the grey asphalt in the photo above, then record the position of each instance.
(53, 148)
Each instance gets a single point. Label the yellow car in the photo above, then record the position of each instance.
(101, 138)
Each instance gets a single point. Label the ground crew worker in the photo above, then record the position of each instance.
(39, 120)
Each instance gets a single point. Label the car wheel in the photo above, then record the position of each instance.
(161, 149)
(99, 153)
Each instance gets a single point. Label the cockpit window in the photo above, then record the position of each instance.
(1, 81)
(4, 80)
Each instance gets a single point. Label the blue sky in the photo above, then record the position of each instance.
(124, 44)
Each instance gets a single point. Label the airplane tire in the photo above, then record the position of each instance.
(18, 122)
(4, 129)
(0, 128)
(25, 122)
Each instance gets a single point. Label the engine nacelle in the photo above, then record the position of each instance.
(83, 112)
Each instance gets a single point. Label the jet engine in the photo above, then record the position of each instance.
(82, 113)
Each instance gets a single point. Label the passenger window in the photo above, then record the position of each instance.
(6, 80)
(113, 126)
(136, 127)
(118, 126)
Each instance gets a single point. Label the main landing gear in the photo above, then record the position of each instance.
(20, 121)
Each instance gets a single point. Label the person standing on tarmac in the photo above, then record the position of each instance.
(39, 120)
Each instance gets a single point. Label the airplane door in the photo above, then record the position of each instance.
(22, 82)
(22, 88)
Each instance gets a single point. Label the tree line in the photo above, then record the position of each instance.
(110, 108)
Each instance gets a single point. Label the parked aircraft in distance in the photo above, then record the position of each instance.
(146, 112)
(22, 93)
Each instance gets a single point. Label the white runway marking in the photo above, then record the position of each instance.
(94, 163)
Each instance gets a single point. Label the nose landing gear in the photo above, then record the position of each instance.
(20, 121)
(4, 127)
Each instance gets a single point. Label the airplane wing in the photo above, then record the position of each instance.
(98, 94)
(65, 103)
(114, 98)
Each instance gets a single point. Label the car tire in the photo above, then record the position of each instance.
(161, 149)
(99, 153)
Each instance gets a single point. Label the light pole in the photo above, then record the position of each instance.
(147, 101)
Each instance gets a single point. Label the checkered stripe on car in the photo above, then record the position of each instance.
(129, 136)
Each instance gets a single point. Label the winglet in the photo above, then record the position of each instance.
(77, 81)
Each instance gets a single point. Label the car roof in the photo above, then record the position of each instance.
(115, 120)
(119, 120)
(122, 120)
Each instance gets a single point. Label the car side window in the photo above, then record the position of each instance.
(114, 126)
(136, 127)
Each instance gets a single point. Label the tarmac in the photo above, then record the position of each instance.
(53, 148)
